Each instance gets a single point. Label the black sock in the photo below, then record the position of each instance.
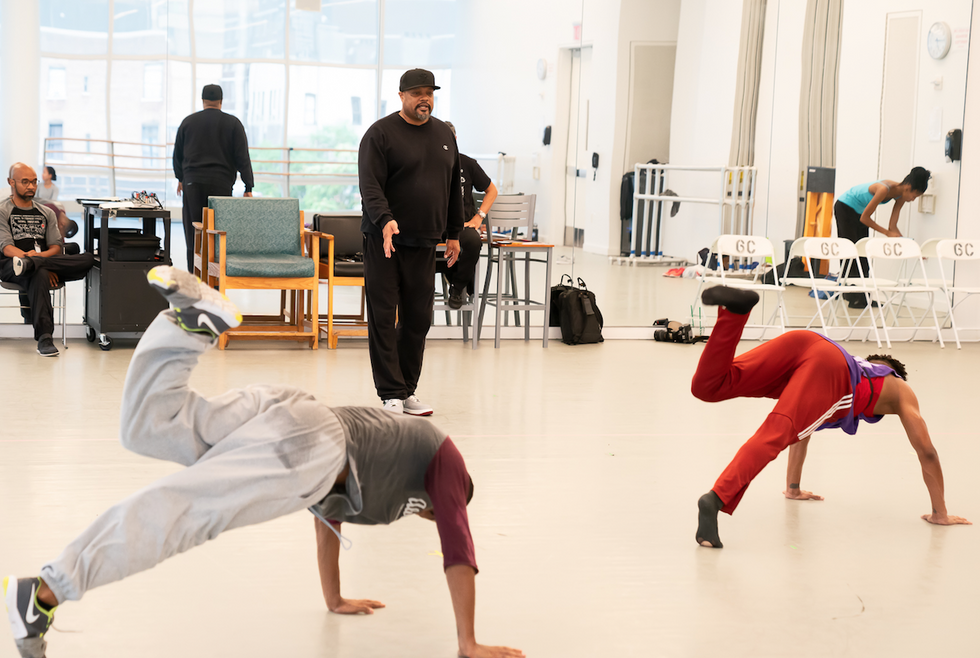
(735, 300)
(708, 507)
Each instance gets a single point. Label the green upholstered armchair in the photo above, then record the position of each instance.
(260, 244)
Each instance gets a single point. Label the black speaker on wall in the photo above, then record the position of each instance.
(547, 135)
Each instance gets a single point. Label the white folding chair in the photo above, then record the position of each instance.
(829, 294)
(906, 252)
(59, 302)
(952, 250)
(745, 248)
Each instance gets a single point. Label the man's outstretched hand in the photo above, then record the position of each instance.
(800, 494)
(356, 607)
(484, 651)
(945, 519)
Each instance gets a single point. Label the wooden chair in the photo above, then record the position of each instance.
(340, 242)
(261, 244)
(200, 246)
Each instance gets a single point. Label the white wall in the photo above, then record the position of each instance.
(20, 54)
(638, 20)
(777, 150)
(859, 111)
(499, 104)
(701, 119)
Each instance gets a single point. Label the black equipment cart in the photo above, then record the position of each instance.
(117, 297)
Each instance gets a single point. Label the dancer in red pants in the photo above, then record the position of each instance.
(817, 385)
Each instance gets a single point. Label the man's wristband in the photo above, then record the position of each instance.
(481, 214)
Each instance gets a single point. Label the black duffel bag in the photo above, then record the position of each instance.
(554, 319)
(581, 319)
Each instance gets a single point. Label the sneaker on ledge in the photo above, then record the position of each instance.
(197, 307)
(455, 297)
(416, 407)
(29, 620)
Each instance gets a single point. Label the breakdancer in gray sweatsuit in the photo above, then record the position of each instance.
(252, 455)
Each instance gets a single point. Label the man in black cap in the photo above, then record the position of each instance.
(209, 152)
(408, 169)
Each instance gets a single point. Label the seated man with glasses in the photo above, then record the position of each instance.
(33, 255)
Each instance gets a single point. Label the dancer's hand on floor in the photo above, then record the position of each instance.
(800, 494)
(945, 520)
(356, 606)
(484, 651)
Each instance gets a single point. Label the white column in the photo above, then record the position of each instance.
(20, 81)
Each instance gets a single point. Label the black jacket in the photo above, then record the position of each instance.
(410, 174)
(211, 147)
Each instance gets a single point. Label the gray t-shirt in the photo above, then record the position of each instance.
(47, 193)
(388, 457)
(28, 227)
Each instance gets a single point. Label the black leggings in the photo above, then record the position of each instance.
(849, 226)
(461, 274)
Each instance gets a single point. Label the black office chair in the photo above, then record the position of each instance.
(341, 264)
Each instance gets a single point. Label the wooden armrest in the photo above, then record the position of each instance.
(211, 231)
(198, 226)
(318, 234)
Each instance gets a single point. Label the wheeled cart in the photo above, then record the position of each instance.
(117, 297)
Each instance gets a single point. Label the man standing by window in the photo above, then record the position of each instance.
(209, 151)
(408, 169)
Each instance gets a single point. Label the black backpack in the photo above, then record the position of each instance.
(554, 319)
(581, 319)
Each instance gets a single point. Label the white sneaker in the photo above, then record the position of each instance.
(197, 307)
(416, 407)
(394, 405)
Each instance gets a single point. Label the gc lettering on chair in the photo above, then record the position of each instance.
(260, 244)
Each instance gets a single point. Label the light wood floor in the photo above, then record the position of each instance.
(587, 463)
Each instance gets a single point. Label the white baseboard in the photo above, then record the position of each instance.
(441, 332)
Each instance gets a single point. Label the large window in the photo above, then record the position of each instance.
(119, 76)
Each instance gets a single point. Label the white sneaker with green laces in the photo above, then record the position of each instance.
(394, 405)
(198, 307)
(29, 621)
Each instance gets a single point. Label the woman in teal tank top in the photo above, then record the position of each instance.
(855, 207)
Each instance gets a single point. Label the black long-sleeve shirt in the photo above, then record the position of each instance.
(211, 147)
(410, 174)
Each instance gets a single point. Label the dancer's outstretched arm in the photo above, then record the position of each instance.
(462, 589)
(898, 398)
(794, 472)
(328, 559)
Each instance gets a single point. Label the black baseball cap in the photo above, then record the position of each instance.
(211, 93)
(417, 78)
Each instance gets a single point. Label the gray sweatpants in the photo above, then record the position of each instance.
(252, 455)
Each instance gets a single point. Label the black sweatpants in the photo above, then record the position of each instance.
(38, 284)
(404, 283)
(849, 226)
(461, 274)
(195, 201)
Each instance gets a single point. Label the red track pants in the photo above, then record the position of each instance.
(803, 371)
